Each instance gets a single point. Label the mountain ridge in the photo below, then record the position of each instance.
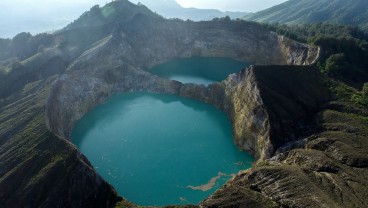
(350, 12)
(171, 9)
(58, 17)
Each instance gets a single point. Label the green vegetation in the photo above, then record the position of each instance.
(112, 13)
(35, 163)
(308, 32)
(24, 45)
(27, 58)
(348, 12)
(344, 49)
(361, 98)
(343, 42)
(365, 90)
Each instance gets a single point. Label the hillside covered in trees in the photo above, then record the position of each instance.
(344, 48)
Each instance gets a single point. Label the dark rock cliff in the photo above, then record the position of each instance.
(268, 105)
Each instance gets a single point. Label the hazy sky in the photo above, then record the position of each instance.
(47, 15)
(231, 5)
(224, 5)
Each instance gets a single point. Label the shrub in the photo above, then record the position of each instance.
(335, 65)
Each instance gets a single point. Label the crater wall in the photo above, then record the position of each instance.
(115, 64)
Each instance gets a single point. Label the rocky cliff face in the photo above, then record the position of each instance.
(271, 106)
(250, 119)
(239, 96)
(267, 105)
(297, 53)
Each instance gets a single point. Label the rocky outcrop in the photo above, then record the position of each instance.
(267, 105)
(297, 53)
(240, 98)
(248, 114)
(270, 106)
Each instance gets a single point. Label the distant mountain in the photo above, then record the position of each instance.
(49, 17)
(171, 9)
(352, 12)
(110, 14)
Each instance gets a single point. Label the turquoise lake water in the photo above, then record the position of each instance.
(164, 149)
(198, 70)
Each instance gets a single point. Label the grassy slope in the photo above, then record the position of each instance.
(37, 168)
(313, 11)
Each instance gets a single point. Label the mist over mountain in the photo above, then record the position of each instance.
(38, 16)
(349, 12)
(171, 9)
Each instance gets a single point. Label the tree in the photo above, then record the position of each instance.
(365, 90)
(19, 44)
(95, 10)
(335, 64)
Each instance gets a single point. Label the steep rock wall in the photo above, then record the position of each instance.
(239, 97)
(296, 53)
(272, 106)
(251, 125)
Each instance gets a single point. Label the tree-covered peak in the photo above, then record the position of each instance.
(115, 11)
